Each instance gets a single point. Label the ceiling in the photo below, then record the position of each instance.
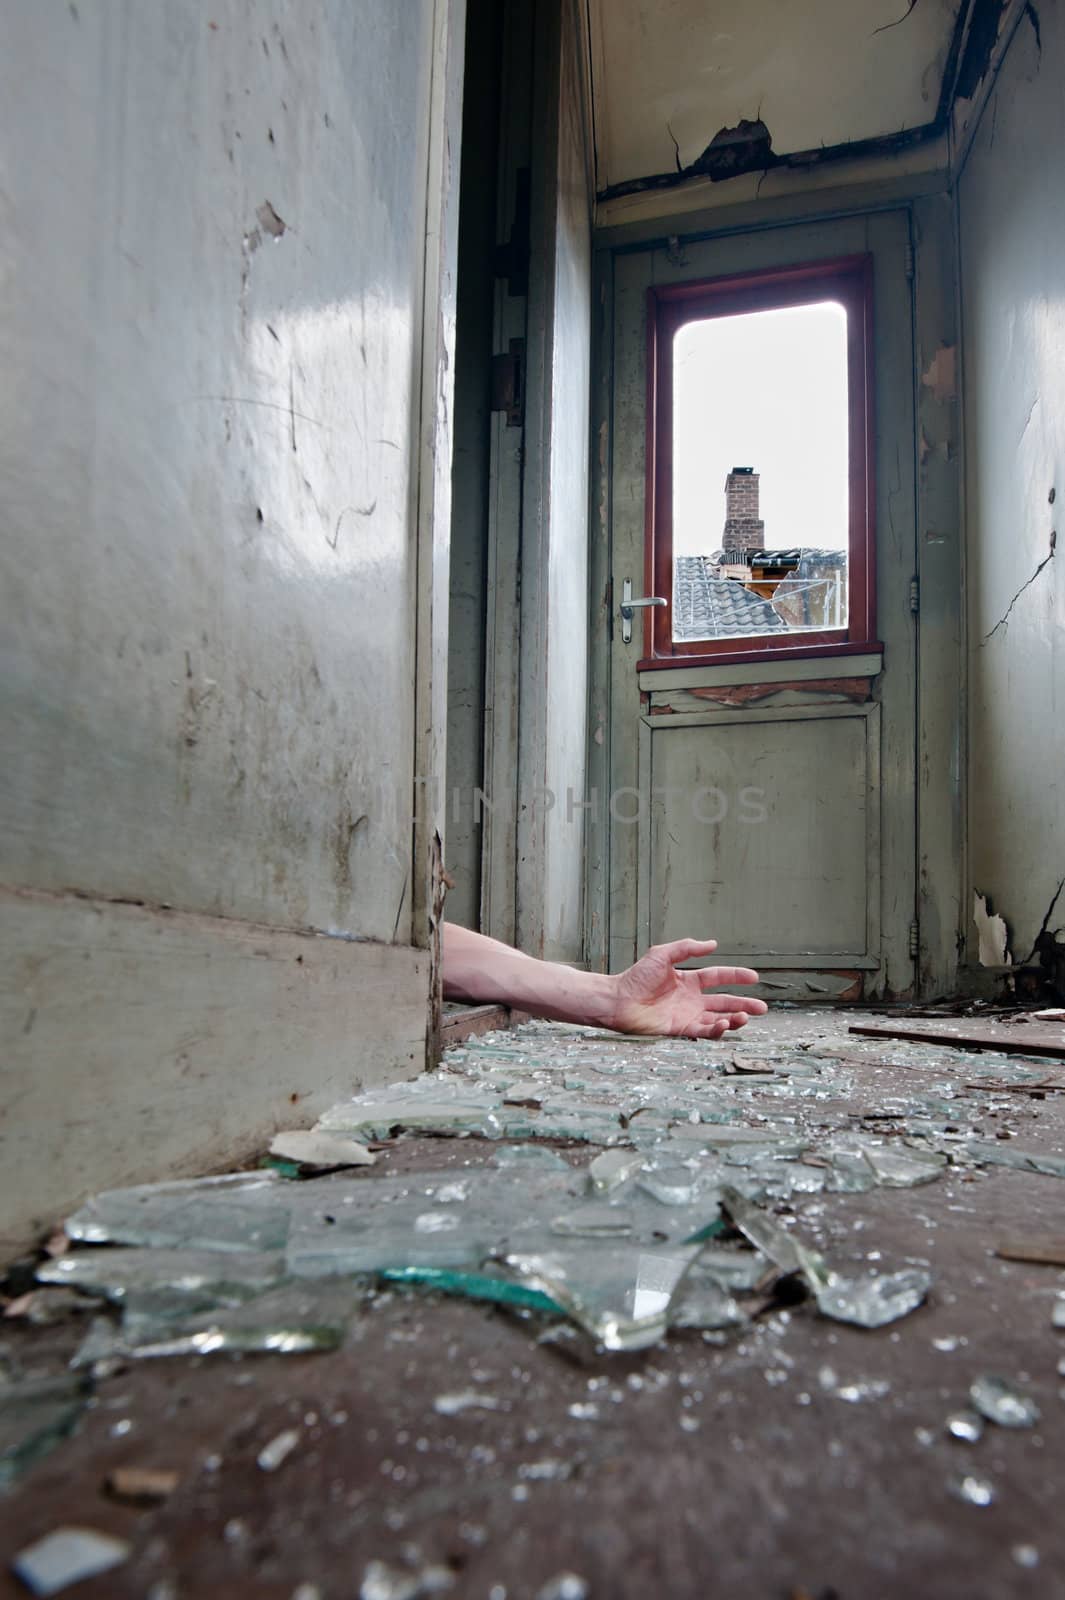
(816, 72)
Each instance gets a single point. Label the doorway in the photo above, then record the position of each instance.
(758, 760)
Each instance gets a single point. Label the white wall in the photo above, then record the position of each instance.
(1012, 249)
(212, 257)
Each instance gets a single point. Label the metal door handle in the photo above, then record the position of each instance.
(629, 605)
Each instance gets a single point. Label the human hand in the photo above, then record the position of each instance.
(652, 997)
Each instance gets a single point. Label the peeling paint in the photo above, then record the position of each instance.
(854, 689)
(270, 222)
(941, 374)
(992, 932)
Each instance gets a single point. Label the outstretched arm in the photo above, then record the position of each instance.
(651, 997)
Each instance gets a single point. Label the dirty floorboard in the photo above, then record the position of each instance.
(798, 1458)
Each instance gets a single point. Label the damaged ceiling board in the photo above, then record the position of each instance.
(668, 78)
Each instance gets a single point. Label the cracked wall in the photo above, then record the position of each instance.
(1012, 254)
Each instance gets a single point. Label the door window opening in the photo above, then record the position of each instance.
(760, 484)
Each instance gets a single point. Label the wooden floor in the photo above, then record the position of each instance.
(801, 1459)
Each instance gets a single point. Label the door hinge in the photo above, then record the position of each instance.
(915, 596)
(512, 258)
(508, 383)
(915, 941)
(909, 263)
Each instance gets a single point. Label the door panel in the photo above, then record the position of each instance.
(825, 880)
(773, 819)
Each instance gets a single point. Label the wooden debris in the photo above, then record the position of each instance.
(749, 1066)
(1029, 1039)
(998, 1086)
(1048, 1251)
(141, 1486)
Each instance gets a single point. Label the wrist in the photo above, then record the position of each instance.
(602, 1004)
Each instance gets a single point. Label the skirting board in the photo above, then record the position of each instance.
(145, 1044)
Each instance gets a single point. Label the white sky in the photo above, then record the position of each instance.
(766, 390)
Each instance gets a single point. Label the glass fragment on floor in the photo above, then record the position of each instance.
(35, 1414)
(675, 1133)
(1007, 1155)
(874, 1302)
(294, 1319)
(67, 1556)
(1003, 1402)
(621, 1297)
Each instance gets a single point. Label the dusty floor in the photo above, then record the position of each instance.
(797, 1458)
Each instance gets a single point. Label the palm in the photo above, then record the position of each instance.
(654, 998)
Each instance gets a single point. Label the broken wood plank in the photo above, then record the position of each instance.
(1026, 1039)
(1048, 1252)
(997, 1086)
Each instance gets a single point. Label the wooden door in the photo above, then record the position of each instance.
(762, 796)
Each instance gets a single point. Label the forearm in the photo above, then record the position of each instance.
(479, 969)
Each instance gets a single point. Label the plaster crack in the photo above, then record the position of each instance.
(358, 511)
(898, 20)
(1046, 924)
(1004, 619)
(1033, 17)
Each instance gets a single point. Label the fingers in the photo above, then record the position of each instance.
(715, 1027)
(734, 1002)
(715, 975)
(687, 949)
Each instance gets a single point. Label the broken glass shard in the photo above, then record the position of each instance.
(613, 1168)
(975, 1491)
(185, 1274)
(67, 1556)
(849, 1173)
(874, 1302)
(897, 1167)
(383, 1119)
(276, 1453)
(620, 1296)
(1001, 1154)
(238, 1211)
(35, 1414)
(670, 1186)
(382, 1582)
(863, 1389)
(702, 1302)
(594, 1221)
(374, 1225)
(564, 1586)
(321, 1150)
(1001, 1401)
(529, 1156)
(966, 1426)
(452, 1405)
(291, 1320)
(737, 1270)
(474, 1286)
(767, 1235)
(754, 1155)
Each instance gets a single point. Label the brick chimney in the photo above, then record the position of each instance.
(744, 530)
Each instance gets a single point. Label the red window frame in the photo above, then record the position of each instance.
(848, 280)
